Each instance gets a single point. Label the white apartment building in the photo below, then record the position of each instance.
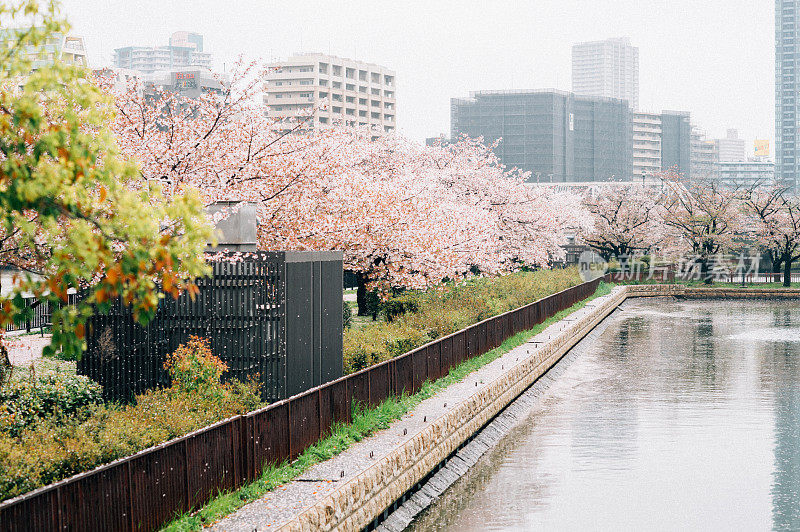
(731, 149)
(342, 91)
(646, 144)
(705, 154)
(746, 174)
(608, 68)
(185, 49)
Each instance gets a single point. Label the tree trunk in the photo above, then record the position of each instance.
(705, 272)
(361, 293)
(787, 271)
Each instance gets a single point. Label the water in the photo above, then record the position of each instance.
(680, 416)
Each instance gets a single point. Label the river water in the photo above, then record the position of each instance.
(681, 415)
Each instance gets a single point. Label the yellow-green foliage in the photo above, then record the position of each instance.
(57, 447)
(447, 309)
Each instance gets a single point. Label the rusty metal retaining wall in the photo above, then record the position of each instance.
(146, 490)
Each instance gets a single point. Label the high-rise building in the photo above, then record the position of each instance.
(608, 69)
(705, 155)
(731, 148)
(676, 142)
(185, 49)
(646, 144)
(343, 91)
(555, 135)
(787, 88)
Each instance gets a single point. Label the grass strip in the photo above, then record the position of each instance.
(365, 423)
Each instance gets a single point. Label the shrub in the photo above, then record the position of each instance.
(347, 315)
(419, 317)
(24, 402)
(193, 368)
(52, 447)
(399, 305)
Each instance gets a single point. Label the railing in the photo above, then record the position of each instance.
(146, 490)
(41, 314)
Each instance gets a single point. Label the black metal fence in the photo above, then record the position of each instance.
(146, 490)
(274, 316)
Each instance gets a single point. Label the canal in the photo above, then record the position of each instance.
(680, 415)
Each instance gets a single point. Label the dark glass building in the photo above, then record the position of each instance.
(555, 135)
(676, 142)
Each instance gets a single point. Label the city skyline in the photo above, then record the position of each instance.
(482, 49)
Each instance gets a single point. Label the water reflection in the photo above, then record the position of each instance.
(681, 415)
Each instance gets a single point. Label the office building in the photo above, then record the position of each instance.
(555, 135)
(705, 155)
(331, 90)
(787, 89)
(646, 144)
(676, 142)
(731, 148)
(746, 174)
(607, 69)
(185, 49)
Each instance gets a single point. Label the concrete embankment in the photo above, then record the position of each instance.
(349, 491)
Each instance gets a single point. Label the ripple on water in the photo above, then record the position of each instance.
(769, 334)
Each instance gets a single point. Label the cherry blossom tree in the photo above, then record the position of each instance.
(705, 216)
(776, 224)
(405, 215)
(627, 219)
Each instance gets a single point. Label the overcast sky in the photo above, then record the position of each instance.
(713, 58)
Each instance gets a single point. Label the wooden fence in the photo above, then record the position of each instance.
(148, 489)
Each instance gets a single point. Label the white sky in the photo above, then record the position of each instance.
(714, 58)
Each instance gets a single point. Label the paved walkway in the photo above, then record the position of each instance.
(282, 504)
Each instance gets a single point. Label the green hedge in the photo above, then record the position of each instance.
(419, 317)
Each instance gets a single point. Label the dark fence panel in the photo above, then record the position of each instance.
(148, 489)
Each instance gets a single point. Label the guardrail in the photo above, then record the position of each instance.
(149, 488)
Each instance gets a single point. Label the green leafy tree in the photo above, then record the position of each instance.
(68, 219)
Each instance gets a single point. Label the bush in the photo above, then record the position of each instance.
(347, 315)
(54, 447)
(419, 317)
(399, 305)
(192, 368)
(24, 402)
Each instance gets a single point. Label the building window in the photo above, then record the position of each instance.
(323, 68)
(350, 73)
(376, 92)
(388, 80)
(337, 70)
(376, 103)
(362, 101)
(362, 75)
(376, 78)
(362, 89)
(350, 99)
(350, 87)
(337, 84)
